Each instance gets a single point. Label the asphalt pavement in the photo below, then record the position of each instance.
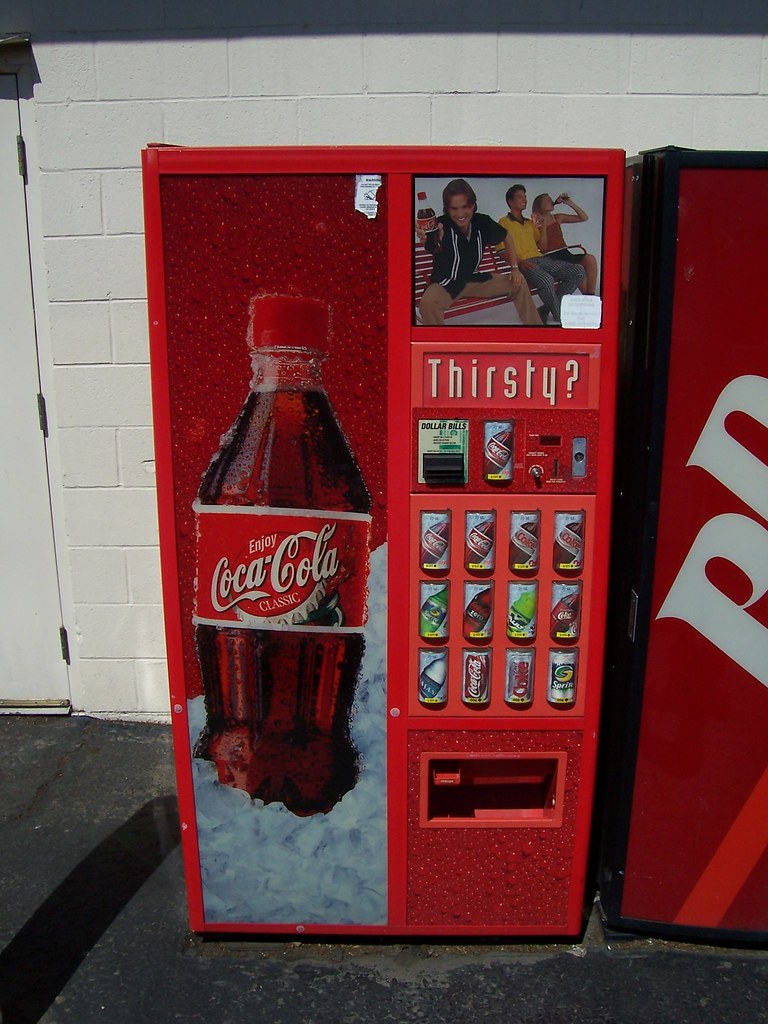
(94, 928)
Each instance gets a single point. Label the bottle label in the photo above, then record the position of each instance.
(276, 568)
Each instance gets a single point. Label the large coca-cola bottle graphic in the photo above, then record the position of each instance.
(283, 531)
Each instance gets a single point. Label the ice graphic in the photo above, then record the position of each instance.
(264, 864)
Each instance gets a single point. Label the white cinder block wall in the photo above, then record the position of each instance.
(109, 78)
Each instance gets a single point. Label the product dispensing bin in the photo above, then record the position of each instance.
(384, 485)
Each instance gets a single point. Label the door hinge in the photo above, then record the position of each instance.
(42, 412)
(21, 152)
(64, 644)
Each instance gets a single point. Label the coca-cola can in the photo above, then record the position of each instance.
(524, 534)
(518, 678)
(522, 602)
(435, 540)
(433, 676)
(498, 450)
(433, 610)
(480, 540)
(561, 676)
(476, 677)
(565, 621)
(568, 542)
(478, 611)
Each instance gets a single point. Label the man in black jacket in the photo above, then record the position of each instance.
(457, 249)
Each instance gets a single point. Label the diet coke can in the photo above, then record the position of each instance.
(568, 542)
(561, 677)
(566, 611)
(476, 678)
(518, 678)
(524, 533)
(436, 541)
(498, 450)
(433, 676)
(480, 541)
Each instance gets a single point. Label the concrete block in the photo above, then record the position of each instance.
(84, 136)
(88, 457)
(136, 456)
(67, 71)
(136, 68)
(96, 396)
(702, 64)
(107, 685)
(79, 332)
(71, 203)
(152, 687)
(99, 576)
(110, 517)
(130, 334)
(96, 268)
(398, 63)
(556, 63)
(269, 64)
(365, 120)
(253, 122)
(500, 120)
(144, 575)
(730, 122)
(123, 210)
(120, 631)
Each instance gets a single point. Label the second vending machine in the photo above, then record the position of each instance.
(384, 387)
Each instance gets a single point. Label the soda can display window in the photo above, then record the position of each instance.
(480, 541)
(562, 672)
(568, 542)
(433, 610)
(435, 540)
(518, 678)
(522, 603)
(478, 611)
(524, 541)
(565, 620)
(476, 678)
(433, 676)
(498, 450)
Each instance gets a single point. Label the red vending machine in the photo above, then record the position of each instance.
(685, 838)
(383, 388)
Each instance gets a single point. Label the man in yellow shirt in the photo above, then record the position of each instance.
(550, 277)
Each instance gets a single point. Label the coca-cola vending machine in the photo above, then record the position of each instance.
(685, 834)
(383, 385)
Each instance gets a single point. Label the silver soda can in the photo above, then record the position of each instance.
(476, 677)
(478, 611)
(518, 678)
(433, 676)
(568, 542)
(565, 619)
(524, 534)
(435, 540)
(522, 601)
(561, 677)
(498, 450)
(480, 540)
(433, 610)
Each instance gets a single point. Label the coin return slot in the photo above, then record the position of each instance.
(485, 790)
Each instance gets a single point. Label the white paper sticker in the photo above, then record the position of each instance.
(366, 187)
(581, 311)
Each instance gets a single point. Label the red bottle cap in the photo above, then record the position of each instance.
(288, 321)
(421, 195)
